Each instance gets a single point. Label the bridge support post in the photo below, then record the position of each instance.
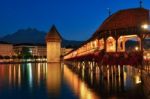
(105, 71)
(122, 77)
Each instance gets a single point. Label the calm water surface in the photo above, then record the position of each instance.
(58, 81)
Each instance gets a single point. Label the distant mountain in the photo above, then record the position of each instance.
(25, 36)
(34, 36)
(71, 43)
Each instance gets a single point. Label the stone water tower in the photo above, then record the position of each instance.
(53, 40)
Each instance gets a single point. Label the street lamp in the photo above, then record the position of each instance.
(136, 48)
(146, 27)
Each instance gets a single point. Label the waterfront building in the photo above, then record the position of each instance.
(33, 49)
(6, 49)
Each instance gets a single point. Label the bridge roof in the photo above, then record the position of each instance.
(127, 18)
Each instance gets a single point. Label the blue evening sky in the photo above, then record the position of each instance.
(74, 19)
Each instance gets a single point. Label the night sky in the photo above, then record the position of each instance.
(75, 19)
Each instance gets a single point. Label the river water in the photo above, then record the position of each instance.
(58, 81)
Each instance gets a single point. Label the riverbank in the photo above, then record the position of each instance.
(23, 61)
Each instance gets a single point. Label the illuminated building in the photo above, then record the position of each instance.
(53, 40)
(6, 49)
(34, 49)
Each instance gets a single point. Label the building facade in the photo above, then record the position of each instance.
(6, 49)
(34, 50)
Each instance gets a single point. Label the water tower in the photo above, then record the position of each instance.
(53, 40)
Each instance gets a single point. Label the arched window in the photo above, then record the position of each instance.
(110, 44)
(129, 43)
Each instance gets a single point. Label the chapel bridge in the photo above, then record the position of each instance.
(107, 44)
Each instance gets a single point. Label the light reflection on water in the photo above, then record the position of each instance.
(121, 82)
(53, 78)
(29, 67)
(79, 87)
(57, 81)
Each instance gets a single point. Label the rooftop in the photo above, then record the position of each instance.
(53, 35)
(134, 17)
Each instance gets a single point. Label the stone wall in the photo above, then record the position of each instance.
(53, 51)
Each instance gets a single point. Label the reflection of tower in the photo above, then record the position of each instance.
(78, 86)
(53, 77)
(53, 40)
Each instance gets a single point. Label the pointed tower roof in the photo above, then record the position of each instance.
(53, 35)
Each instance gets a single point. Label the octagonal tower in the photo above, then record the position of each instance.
(53, 40)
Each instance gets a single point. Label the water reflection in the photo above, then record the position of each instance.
(79, 87)
(22, 80)
(54, 78)
(59, 81)
(30, 74)
(118, 81)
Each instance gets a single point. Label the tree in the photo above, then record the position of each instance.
(25, 53)
(6, 57)
(14, 57)
(19, 57)
(1, 57)
(45, 57)
(35, 57)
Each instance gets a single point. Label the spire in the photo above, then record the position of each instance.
(149, 17)
(109, 11)
(53, 34)
(141, 2)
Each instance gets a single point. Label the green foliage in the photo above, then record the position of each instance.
(6, 57)
(14, 57)
(45, 56)
(1, 57)
(19, 57)
(25, 53)
(35, 57)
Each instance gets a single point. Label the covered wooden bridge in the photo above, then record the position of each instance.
(107, 44)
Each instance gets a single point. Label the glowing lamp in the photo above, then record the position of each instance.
(145, 26)
(136, 48)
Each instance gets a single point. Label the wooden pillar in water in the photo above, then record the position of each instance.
(105, 71)
(122, 77)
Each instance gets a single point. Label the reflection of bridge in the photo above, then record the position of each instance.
(107, 44)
